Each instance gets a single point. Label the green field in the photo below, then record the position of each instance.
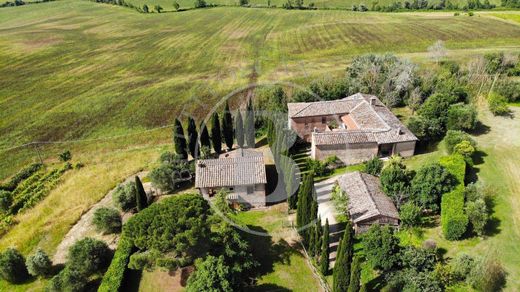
(81, 70)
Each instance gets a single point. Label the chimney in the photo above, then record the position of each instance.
(372, 101)
(400, 131)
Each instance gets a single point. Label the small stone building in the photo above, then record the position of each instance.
(355, 129)
(367, 204)
(240, 172)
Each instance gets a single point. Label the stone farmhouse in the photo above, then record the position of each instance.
(355, 129)
(367, 204)
(240, 172)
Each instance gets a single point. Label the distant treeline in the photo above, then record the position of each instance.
(21, 2)
(511, 3)
(409, 5)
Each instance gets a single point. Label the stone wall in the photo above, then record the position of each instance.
(239, 194)
(405, 149)
(348, 153)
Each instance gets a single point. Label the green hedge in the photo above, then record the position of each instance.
(113, 278)
(453, 219)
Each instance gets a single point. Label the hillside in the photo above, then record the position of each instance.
(81, 70)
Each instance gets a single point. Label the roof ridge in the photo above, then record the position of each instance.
(374, 111)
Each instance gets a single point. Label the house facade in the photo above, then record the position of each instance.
(240, 172)
(367, 204)
(355, 129)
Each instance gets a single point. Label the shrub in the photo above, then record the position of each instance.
(465, 149)
(124, 196)
(462, 117)
(477, 215)
(498, 104)
(107, 220)
(381, 247)
(487, 275)
(453, 219)
(65, 156)
(6, 199)
(317, 167)
(113, 278)
(39, 264)
(21, 175)
(67, 280)
(454, 137)
(211, 274)
(200, 3)
(12, 266)
(509, 89)
(410, 214)
(461, 266)
(374, 166)
(88, 256)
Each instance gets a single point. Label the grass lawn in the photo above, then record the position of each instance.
(282, 265)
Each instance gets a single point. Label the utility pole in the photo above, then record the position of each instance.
(38, 152)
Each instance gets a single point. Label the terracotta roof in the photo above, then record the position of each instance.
(366, 111)
(241, 167)
(366, 200)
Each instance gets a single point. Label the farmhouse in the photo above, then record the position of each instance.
(367, 204)
(241, 172)
(355, 129)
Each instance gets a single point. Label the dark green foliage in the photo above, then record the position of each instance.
(345, 252)
(477, 215)
(179, 224)
(141, 198)
(249, 125)
(172, 172)
(21, 175)
(158, 8)
(239, 129)
(418, 259)
(39, 264)
(227, 127)
(453, 219)
(462, 117)
(435, 110)
(374, 166)
(12, 266)
(456, 137)
(211, 274)
(509, 89)
(430, 183)
(65, 156)
(145, 8)
(317, 238)
(176, 5)
(204, 136)
(216, 134)
(317, 167)
(193, 138)
(6, 199)
(395, 180)
(325, 250)
(179, 140)
(200, 4)
(312, 241)
(124, 196)
(68, 280)
(381, 247)
(355, 276)
(411, 280)
(88, 256)
(410, 215)
(107, 220)
(113, 278)
(305, 212)
(461, 266)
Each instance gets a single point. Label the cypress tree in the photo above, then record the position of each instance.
(355, 276)
(341, 276)
(325, 251)
(302, 204)
(216, 134)
(192, 138)
(239, 129)
(227, 127)
(204, 136)
(317, 238)
(250, 126)
(140, 196)
(312, 249)
(179, 140)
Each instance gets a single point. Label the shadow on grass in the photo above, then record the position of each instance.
(131, 280)
(376, 284)
(480, 129)
(270, 287)
(426, 147)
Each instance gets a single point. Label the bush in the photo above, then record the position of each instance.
(487, 275)
(317, 167)
(124, 196)
(498, 104)
(12, 266)
(88, 256)
(477, 215)
(113, 278)
(462, 117)
(68, 280)
(454, 137)
(107, 220)
(453, 219)
(21, 175)
(430, 183)
(39, 264)
(65, 156)
(465, 149)
(461, 266)
(509, 89)
(6, 199)
(410, 215)
(374, 166)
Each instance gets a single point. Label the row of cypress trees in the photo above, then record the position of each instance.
(242, 131)
(347, 269)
